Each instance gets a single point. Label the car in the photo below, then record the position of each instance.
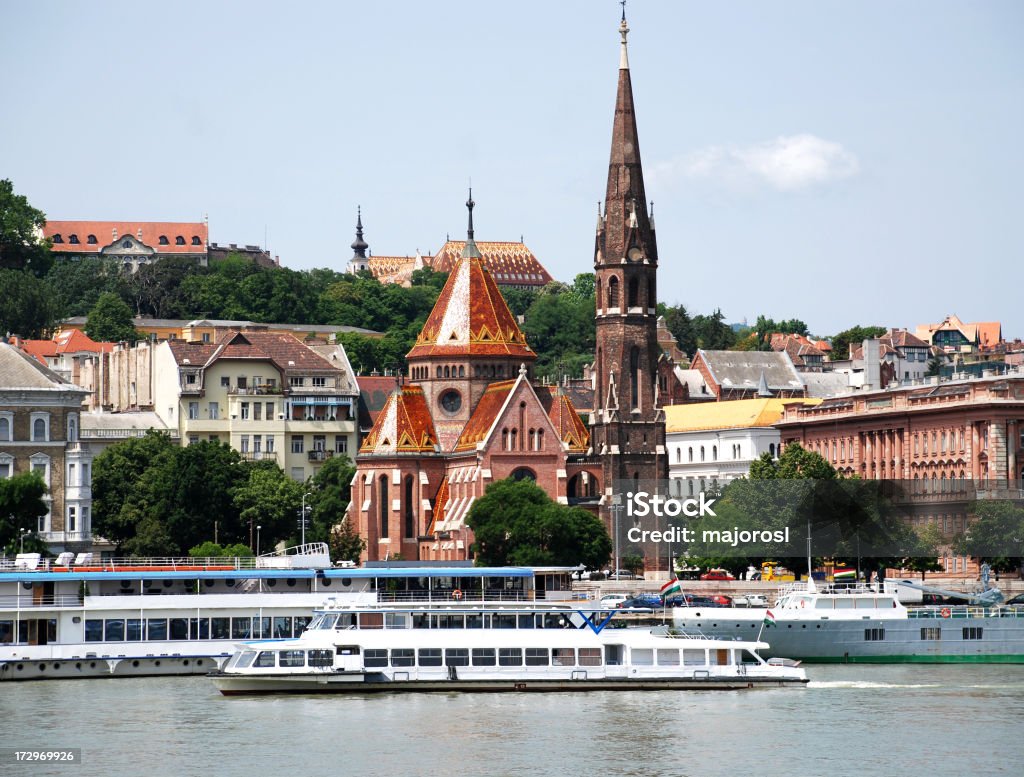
(691, 600)
(642, 601)
(717, 574)
(612, 601)
(750, 600)
(1018, 599)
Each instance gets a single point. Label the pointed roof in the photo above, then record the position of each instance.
(359, 245)
(484, 415)
(566, 420)
(403, 426)
(762, 386)
(471, 318)
(440, 505)
(626, 221)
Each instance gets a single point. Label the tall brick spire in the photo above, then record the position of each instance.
(628, 425)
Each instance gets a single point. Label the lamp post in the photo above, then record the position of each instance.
(616, 508)
(258, 527)
(302, 518)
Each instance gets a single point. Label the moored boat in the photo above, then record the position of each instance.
(529, 647)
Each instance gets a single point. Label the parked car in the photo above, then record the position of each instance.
(691, 600)
(722, 601)
(645, 601)
(1018, 599)
(750, 600)
(717, 574)
(612, 601)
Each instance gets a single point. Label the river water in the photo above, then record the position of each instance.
(850, 720)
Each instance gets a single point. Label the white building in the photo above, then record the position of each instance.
(715, 442)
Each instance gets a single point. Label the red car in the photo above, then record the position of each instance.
(717, 574)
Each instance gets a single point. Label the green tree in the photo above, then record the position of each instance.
(76, 286)
(935, 365)
(855, 335)
(268, 498)
(346, 543)
(560, 328)
(110, 320)
(21, 506)
(26, 304)
(712, 333)
(331, 489)
(21, 247)
(996, 535)
(680, 325)
(517, 523)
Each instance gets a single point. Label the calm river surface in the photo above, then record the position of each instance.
(851, 720)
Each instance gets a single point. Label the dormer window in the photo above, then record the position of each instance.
(196, 241)
(179, 241)
(57, 239)
(91, 240)
(126, 244)
(73, 239)
(163, 240)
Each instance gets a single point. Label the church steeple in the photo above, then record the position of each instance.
(359, 261)
(470, 251)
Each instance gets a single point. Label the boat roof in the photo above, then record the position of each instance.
(360, 573)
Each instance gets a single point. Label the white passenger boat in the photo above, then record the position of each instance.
(560, 647)
(76, 617)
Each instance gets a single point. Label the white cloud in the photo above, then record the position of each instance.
(786, 163)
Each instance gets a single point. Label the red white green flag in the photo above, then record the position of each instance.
(769, 618)
(671, 587)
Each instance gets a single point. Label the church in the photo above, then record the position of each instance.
(469, 413)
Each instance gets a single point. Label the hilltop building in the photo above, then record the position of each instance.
(955, 336)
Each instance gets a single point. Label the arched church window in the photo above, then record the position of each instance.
(613, 292)
(634, 293)
(634, 376)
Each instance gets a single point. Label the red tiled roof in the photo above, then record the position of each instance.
(440, 506)
(67, 341)
(403, 426)
(104, 232)
(900, 338)
(566, 420)
(284, 350)
(510, 263)
(484, 414)
(374, 391)
(471, 318)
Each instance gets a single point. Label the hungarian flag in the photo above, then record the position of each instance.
(843, 573)
(671, 587)
(769, 618)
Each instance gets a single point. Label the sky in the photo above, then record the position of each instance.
(842, 163)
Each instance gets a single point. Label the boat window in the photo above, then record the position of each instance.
(931, 633)
(6, 632)
(420, 620)
(536, 656)
(134, 631)
(113, 631)
(292, 658)
(590, 657)
(885, 603)
(299, 624)
(430, 656)
(324, 658)
(448, 621)
(261, 628)
(845, 603)
(865, 604)
(179, 628)
(199, 628)
(375, 657)
(719, 657)
(510, 656)
(396, 620)
(749, 657)
(244, 659)
(282, 627)
(642, 656)
(527, 621)
(266, 658)
(554, 621)
(94, 630)
(823, 604)
(371, 620)
(220, 628)
(668, 657)
(483, 657)
(456, 657)
(241, 628)
(403, 657)
(694, 657)
(474, 620)
(503, 621)
(156, 628)
(563, 657)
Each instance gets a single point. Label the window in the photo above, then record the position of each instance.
(972, 632)
(72, 520)
(225, 381)
(295, 381)
(319, 382)
(40, 427)
(179, 241)
(483, 657)
(214, 411)
(430, 656)
(292, 658)
(456, 657)
(510, 657)
(403, 657)
(319, 442)
(874, 635)
(931, 633)
(163, 240)
(73, 239)
(383, 505)
(196, 241)
(245, 411)
(270, 443)
(5, 427)
(257, 411)
(536, 656)
(57, 238)
(6, 466)
(243, 381)
(270, 410)
(691, 453)
(340, 443)
(702, 453)
(590, 656)
(193, 410)
(245, 443)
(298, 444)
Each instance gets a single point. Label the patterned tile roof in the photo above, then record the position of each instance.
(566, 419)
(512, 264)
(440, 506)
(484, 415)
(471, 318)
(396, 269)
(403, 426)
(107, 232)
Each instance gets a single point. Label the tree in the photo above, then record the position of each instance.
(681, 326)
(110, 320)
(560, 327)
(517, 523)
(345, 542)
(21, 506)
(331, 489)
(997, 535)
(21, 247)
(76, 286)
(935, 365)
(712, 333)
(853, 336)
(270, 499)
(26, 304)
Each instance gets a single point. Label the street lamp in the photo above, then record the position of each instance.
(258, 527)
(616, 508)
(302, 519)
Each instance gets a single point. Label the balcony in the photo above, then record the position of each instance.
(317, 455)
(255, 391)
(258, 455)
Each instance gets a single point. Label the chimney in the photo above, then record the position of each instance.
(872, 364)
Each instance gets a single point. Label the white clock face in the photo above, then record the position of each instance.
(635, 254)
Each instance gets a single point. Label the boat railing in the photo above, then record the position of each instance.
(311, 555)
(454, 597)
(29, 601)
(954, 612)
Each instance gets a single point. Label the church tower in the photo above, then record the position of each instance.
(628, 427)
(359, 262)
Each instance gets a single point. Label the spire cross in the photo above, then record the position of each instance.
(623, 4)
(470, 204)
(623, 31)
